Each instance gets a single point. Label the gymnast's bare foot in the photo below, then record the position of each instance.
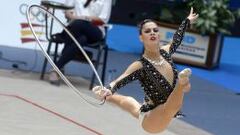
(184, 79)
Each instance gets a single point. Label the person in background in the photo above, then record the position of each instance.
(86, 23)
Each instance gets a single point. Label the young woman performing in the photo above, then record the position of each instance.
(163, 86)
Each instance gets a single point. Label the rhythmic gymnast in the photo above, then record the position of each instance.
(163, 86)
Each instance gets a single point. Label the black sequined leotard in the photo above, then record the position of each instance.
(155, 85)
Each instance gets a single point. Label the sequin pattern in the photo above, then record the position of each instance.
(154, 84)
(178, 36)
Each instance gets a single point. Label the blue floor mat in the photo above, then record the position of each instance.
(226, 75)
(228, 72)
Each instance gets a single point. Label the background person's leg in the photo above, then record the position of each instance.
(85, 33)
(81, 27)
(69, 52)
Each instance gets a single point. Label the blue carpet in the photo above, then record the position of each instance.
(228, 73)
(125, 39)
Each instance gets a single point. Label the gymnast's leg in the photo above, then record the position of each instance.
(158, 119)
(126, 103)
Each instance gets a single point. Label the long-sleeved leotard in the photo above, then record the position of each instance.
(155, 85)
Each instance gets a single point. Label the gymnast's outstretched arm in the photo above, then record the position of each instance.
(179, 34)
(133, 72)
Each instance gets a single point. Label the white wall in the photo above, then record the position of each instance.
(11, 18)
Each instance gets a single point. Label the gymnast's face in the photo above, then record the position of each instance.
(149, 34)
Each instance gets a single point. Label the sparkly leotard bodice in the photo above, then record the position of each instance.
(156, 86)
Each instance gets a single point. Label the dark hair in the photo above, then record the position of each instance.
(141, 24)
(87, 3)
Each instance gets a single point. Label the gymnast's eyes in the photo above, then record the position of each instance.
(155, 30)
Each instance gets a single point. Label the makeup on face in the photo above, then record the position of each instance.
(152, 32)
(148, 30)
